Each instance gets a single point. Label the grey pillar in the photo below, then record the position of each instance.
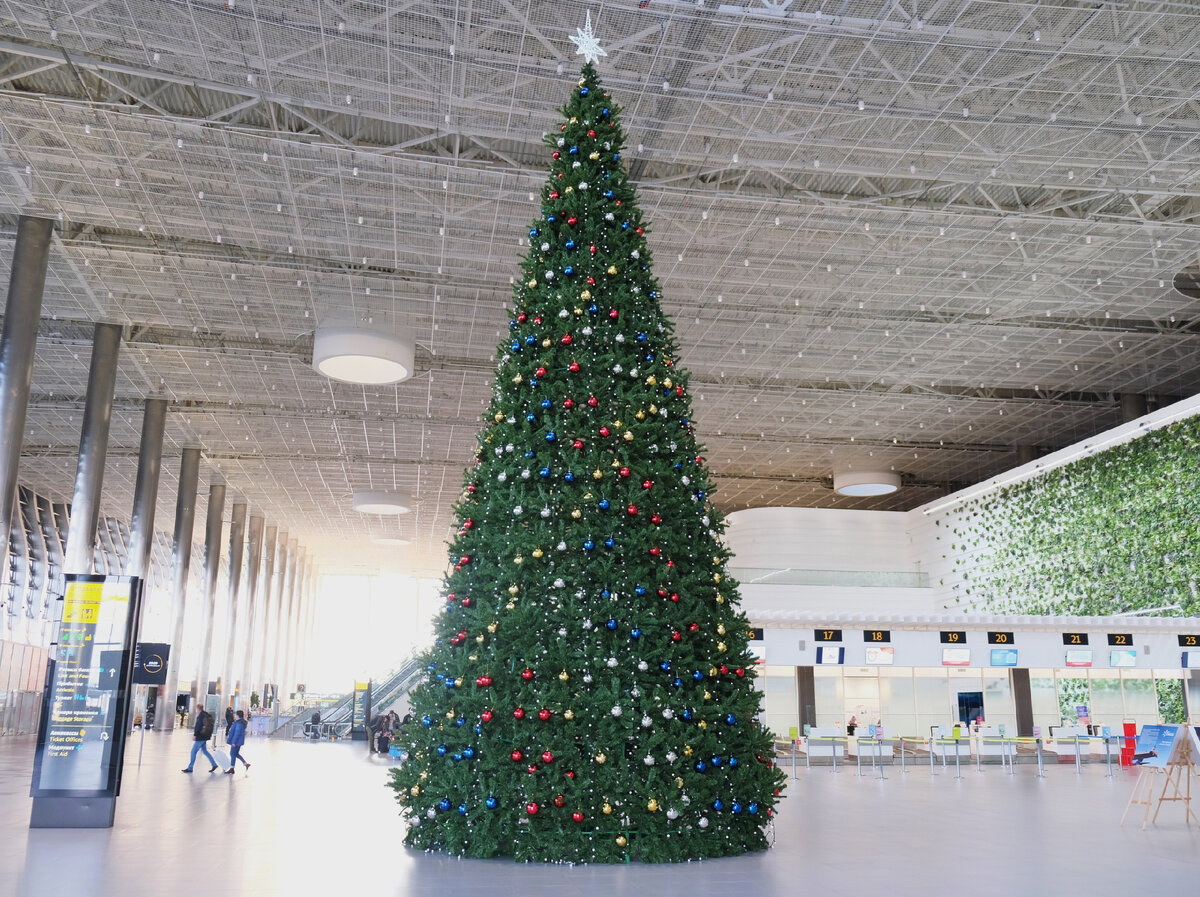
(212, 565)
(258, 673)
(181, 560)
(298, 616)
(1133, 406)
(281, 567)
(237, 543)
(285, 628)
(145, 491)
(1023, 701)
(93, 449)
(310, 616)
(1026, 453)
(26, 284)
(254, 543)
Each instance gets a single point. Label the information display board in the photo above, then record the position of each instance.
(1155, 745)
(81, 736)
(882, 654)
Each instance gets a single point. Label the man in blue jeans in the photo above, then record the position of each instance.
(200, 735)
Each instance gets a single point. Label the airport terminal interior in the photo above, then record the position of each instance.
(819, 380)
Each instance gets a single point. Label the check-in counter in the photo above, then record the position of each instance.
(1062, 741)
(825, 741)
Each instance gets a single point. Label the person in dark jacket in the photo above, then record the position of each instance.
(235, 740)
(200, 735)
(228, 721)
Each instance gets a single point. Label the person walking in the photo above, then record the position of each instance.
(200, 735)
(228, 721)
(235, 739)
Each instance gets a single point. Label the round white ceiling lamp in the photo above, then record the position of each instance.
(358, 355)
(860, 483)
(381, 503)
(389, 541)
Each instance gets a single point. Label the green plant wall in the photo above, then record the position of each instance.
(1113, 532)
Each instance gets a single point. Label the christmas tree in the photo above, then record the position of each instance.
(589, 696)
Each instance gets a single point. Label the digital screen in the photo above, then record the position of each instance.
(956, 657)
(756, 634)
(1000, 638)
(1122, 658)
(826, 654)
(1191, 660)
(1189, 641)
(1075, 638)
(876, 636)
(827, 635)
(884, 655)
(954, 637)
(1079, 658)
(1004, 657)
(81, 737)
(1120, 639)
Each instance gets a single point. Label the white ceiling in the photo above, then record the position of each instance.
(911, 235)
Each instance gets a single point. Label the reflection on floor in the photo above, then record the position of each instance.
(313, 819)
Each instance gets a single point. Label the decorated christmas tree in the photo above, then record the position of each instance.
(590, 694)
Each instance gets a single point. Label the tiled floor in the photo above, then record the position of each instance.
(314, 819)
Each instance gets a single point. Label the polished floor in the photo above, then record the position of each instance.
(315, 819)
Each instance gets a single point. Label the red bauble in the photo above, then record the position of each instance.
(695, 627)
(519, 713)
(554, 194)
(577, 444)
(544, 714)
(471, 488)
(591, 281)
(640, 231)
(555, 155)
(517, 755)
(570, 774)
(605, 431)
(624, 471)
(547, 757)
(531, 808)
(468, 523)
(724, 670)
(572, 221)
(566, 339)
(739, 672)
(559, 800)
(526, 673)
(675, 636)
(613, 314)
(573, 367)
(568, 403)
(486, 716)
(537, 319)
(531, 769)
(655, 519)
(521, 317)
(656, 551)
(662, 593)
(577, 816)
(483, 681)
(593, 401)
(466, 602)
(647, 484)
(675, 597)
(593, 249)
(591, 133)
(632, 509)
(540, 372)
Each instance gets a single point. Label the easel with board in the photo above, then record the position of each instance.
(1175, 772)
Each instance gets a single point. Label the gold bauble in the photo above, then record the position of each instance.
(414, 790)
(606, 809)
(593, 155)
(518, 379)
(585, 295)
(576, 514)
(651, 380)
(652, 805)
(597, 474)
(667, 383)
(537, 552)
(458, 682)
(480, 638)
(721, 647)
(712, 671)
(628, 436)
(716, 577)
(678, 781)
(653, 408)
(424, 774)
(617, 424)
(621, 842)
(546, 344)
(641, 415)
(568, 714)
(720, 629)
(708, 695)
(491, 627)
(532, 284)
(703, 724)
(518, 559)
(510, 606)
(450, 714)
(499, 416)
(564, 676)
(578, 311)
(513, 589)
(473, 658)
(600, 758)
(687, 750)
(568, 189)
(612, 269)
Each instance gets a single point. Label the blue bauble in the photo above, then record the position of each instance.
(530, 340)
(642, 337)
(458, 723)
(444, 803)
(635, 632)
(604, 111)
(574, 151)
(718, 804)
(569, 477)
(533, 232)
(733, 762)
(605, 593)
(697, 675)
(516, 346)
(441, 749)
(468, 752)
(731, 719)
(616, 157)
(653, 294)
(608, 194)
(457, 755)
(677, 682)
(570, 244)
(611, 624)
(449, 683)
(752, 809)
(716, 760)
(737, 807)
(569, 270)
(593, 308)
(462, 809)
(551, 436)
(687, 714)
(551, 218)
(624, 225)
(610, 542)
(639, 590)
(490, 803)
(512, 325)
(588, 545)
(701, 766)
(530, 454)
(531, 417)
(544, 472)
(441, 677)
(478, 729)
(426, 722)
(665, 666)
(583, 91)
(546, 403)
(602, 504)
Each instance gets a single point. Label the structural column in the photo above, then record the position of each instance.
(258, 673)
(237, 543)
(281, 564)
(26, 284)
(212, 565)
(254, 542)
(288, 601)
(181, 560)
(145, 490)
(93, 449)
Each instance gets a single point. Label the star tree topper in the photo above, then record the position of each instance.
(587, 42)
